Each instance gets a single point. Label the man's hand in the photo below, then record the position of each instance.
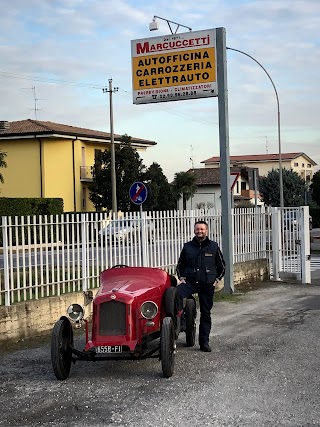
(182, 280)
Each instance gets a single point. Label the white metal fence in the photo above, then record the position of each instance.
(51, 255)
(291, 244)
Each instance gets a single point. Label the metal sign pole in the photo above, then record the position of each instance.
(138, 194)
(227, 243)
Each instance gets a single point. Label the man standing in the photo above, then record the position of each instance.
(200, 266)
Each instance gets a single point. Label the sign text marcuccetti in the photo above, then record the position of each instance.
(174, 67)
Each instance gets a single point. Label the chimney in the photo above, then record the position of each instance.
(4, 126)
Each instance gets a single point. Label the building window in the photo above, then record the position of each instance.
(237, 187)
(296, 165)
(84, 198)
(309, 165)
(302, 165)
(97, 161)
(243, 186)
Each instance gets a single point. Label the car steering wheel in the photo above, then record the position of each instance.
(120, 266)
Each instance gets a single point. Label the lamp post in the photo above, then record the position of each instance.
(154, 25)
(279, 139)
(113, 156)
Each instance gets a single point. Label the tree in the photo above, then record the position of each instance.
(3, 164)
(294, 188)
(160, 196)
(184, 184)
(315, 188)
(129, 168)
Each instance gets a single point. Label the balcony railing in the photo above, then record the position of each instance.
(85, 173)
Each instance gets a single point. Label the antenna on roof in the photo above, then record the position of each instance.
(266, 145)
(35, 108)
(191, 158)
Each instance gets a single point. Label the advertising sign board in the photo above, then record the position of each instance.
(174, 67)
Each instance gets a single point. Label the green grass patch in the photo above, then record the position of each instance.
(223, 297)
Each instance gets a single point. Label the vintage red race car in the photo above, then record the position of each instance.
(136, 314)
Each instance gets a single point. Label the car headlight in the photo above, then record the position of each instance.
(75, 312)
(149, 310)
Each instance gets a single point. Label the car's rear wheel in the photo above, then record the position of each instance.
(61, 348)
(190, 316)
(171, 308)
(167, 347)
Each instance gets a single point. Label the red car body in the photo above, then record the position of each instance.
(117, 319)
(132, 307)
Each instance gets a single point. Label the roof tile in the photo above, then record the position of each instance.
(209, 176)
(259, 158)
(31, 127)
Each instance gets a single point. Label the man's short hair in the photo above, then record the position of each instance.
(201, 222)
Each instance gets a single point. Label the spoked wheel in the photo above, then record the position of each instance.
(167, 347)
(171, 308)
(190, 316)
(61, 348)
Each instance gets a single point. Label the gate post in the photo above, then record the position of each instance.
(305, 246)
(144, 235)
(84, 238)
(5, 260)
(276, 242)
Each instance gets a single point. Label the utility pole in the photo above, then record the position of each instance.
(113, 155)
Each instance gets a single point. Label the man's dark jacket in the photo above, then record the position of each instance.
(201, 262)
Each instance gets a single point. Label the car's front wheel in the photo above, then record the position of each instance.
(171, 308)
(61, 348)
(167, 347)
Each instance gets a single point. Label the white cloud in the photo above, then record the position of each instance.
(89, 41)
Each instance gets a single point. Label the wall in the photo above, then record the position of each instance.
(37, 317)
(34, 318)
(22, 175)
(205, 194)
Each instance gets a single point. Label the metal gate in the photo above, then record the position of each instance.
(291, 244)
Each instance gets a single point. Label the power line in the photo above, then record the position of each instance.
(49, 80)
(126, 92)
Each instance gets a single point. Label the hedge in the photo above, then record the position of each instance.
(23, 206)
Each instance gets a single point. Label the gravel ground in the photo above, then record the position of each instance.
(263, 371)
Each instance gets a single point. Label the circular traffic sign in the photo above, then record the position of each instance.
(138, 193)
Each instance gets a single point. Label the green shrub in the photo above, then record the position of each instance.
(23, 206)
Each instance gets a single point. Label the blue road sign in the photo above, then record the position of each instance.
(138, 193)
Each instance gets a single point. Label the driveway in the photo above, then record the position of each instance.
(263, 371)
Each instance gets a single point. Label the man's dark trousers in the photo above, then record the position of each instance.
(205, 293)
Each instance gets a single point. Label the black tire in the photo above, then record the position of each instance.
(61, 348)
(171, 308)
(190, 316)
(167, 347)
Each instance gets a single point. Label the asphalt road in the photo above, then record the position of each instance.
(263, 371)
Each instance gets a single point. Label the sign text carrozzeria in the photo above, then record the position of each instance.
(174, 67)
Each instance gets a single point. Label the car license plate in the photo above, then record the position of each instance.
(109, 349)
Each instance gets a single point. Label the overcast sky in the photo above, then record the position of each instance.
(68, 50)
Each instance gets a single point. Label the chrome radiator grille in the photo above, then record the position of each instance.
(112, 318)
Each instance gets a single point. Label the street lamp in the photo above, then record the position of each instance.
(154, 25)
(279, 139)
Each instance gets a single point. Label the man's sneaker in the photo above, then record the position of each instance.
(206, 348)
